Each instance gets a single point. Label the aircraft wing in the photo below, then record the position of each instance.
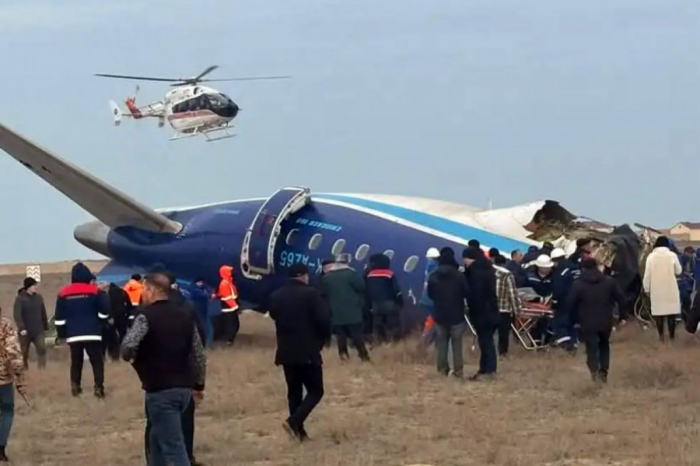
(111, 207)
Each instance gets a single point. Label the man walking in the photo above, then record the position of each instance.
(345, 290)
(448, 290)
(593, 297)
(11, 377)
(303, 328)
(32, 322)
(483, 308)
(167, 353)
(81, 313)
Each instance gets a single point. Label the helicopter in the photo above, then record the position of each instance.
(190, 108)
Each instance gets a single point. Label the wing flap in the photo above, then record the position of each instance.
(110, 206)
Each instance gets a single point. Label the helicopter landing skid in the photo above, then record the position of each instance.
(206, 133)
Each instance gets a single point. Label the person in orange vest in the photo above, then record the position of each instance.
(134, 288)
(228, 296)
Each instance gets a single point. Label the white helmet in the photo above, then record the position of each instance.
(432, 253)
(544, 262)
(558, 253)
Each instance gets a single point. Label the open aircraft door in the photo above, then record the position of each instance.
(257, 254)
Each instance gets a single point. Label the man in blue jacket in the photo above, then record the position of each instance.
(81, 313)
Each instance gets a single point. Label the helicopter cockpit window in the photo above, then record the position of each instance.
(217, 101)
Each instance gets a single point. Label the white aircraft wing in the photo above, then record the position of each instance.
(111, 207)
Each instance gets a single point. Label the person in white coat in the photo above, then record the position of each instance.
(662, 268)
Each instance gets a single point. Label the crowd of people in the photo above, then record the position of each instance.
(163, 330)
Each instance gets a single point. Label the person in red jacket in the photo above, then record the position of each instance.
(228, 296)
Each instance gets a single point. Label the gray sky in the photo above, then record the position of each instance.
(595, 104)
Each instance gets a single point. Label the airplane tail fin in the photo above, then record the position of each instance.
(112, 207)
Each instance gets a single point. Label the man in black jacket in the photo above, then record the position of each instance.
(168, 356)
(303, 327)
(483, 308)
(120, 309)
(31, 320)
(593, 297)
(449, 290)
(384, 299)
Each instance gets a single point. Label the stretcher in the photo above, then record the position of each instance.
(532, 316)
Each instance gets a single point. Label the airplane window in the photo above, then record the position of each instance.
(291, 237)
(389, 253)
(411, 264)
(338, 247)
(362, 252)
(315, 241)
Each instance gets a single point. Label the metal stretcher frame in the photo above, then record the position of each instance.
(525, 321)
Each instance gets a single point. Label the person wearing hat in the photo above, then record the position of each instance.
(31, 320)
(593, 297)
(540, 278)
(509, 303)
(303, 326)
(483, 307)
(432, 261)
(384, 299)
(562, 280)
(448, 290)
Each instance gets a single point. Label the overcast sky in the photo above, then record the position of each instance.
(595, 104)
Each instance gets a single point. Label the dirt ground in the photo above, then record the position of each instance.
(542, 410)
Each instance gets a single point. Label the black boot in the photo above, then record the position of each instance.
(99, 392)
(75, 389)
(3, 456)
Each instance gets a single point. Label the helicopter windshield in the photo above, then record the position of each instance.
(218, 101)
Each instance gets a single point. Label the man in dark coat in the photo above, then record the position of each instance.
(303, 328)
(120, 309)
(385, 299)
(31, 320)
(516, 268)
(345, 290)
(483, 307)
(593, 297)
(448, 290)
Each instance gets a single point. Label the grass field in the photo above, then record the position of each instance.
(542, 410)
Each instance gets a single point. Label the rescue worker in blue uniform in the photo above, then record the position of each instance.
(540, 278)
(562, 280)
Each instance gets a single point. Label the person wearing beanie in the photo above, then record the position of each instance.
(81, 313)
(483, 308)
(562, 280)
(448, 290)
(593, 297)
(662, 268)
(303, 326)
(509, 303)
(31, 320)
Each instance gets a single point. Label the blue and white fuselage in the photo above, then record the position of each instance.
(262, 237)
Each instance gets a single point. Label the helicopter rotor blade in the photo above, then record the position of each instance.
(140, 78)
(254, 78)
(202, 74)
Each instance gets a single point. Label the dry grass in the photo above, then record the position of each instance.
(542, 410)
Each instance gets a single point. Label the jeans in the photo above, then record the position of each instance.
(354, 332)
(300, 377)
(446, 335)
(164, 410)
(671, 326)
(231, 324)
(7, 412)
(597, 352)
(39, 345)
(95, 352)
(504, 328)
(488, 360)
(187, 431)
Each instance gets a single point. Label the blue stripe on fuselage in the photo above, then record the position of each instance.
(443, 225)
